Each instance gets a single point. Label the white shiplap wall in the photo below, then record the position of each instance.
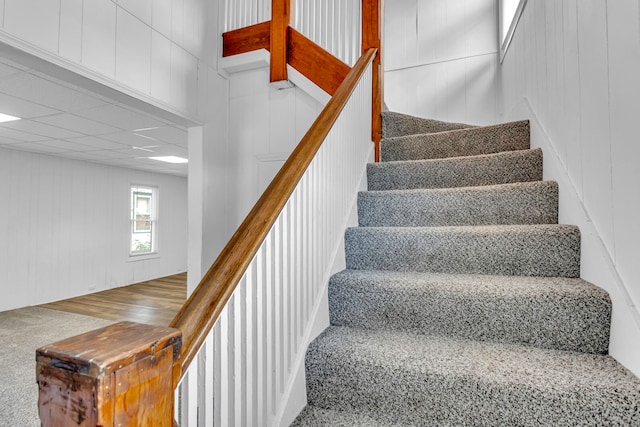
(64, 227)
(153, 47)
(441, 59)
(573, 68)
(265, 124)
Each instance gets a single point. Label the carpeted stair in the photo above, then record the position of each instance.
(462, 303)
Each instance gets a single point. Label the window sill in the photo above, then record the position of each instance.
(143, 257)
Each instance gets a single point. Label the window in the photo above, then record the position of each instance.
(510, 11)
(144, 220)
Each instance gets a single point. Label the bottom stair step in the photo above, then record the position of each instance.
(427, 380)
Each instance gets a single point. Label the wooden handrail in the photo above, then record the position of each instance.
(199, 314)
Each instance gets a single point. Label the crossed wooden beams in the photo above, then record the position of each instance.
(288, 46)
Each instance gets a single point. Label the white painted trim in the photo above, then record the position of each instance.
(195, 212)
(512, 29)
(260, 59)
(151, 255)
(243, 62)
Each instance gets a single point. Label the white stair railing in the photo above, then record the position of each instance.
(333, 24)
(247, 365)
(243, 13)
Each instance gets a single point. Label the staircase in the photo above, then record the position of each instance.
(461, 303)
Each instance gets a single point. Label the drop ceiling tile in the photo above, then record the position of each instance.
(35, 147)
(19, 135)
(126, 163)
(137, 153)
(21, 108)
(110, 154)
(7, 141)
(96, 143)
(168, 134)
(37, 128)
(83, 155)
(78, 124)
(119, 117)
(132, 139)
(67, 145)
(171, 150)
(63, 120)
(34, 88)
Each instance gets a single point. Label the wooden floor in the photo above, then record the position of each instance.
(154, 302)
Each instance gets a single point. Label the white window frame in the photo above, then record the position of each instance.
(134, 222)
(510, 13)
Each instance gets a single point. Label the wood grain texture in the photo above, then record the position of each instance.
(246, 39)
(318, 65)
(122, 374)
(152, 302)
(372, 25)
(202, 310)
(278, 41)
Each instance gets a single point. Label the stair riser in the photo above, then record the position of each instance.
(503, 168)
(521, 204)
(529, 316)
(507, 250)
(464, 142)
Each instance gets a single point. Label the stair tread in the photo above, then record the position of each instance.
(485, 169)
(536, 311)
(492, 362)
(513, 203)
(392, 373)
(459, 142)
(521, 250)
(396, 124)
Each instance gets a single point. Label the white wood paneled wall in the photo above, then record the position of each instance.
(441, 59)
(336, 25)
(154, 47)
(264, 127)
(576, 65)
(65, 228)
(248, 363)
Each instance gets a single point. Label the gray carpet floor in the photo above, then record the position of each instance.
(22, 331)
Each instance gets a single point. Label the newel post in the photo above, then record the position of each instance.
(372, 29)
(120, 375)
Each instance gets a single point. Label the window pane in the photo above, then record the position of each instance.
(143, 220)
